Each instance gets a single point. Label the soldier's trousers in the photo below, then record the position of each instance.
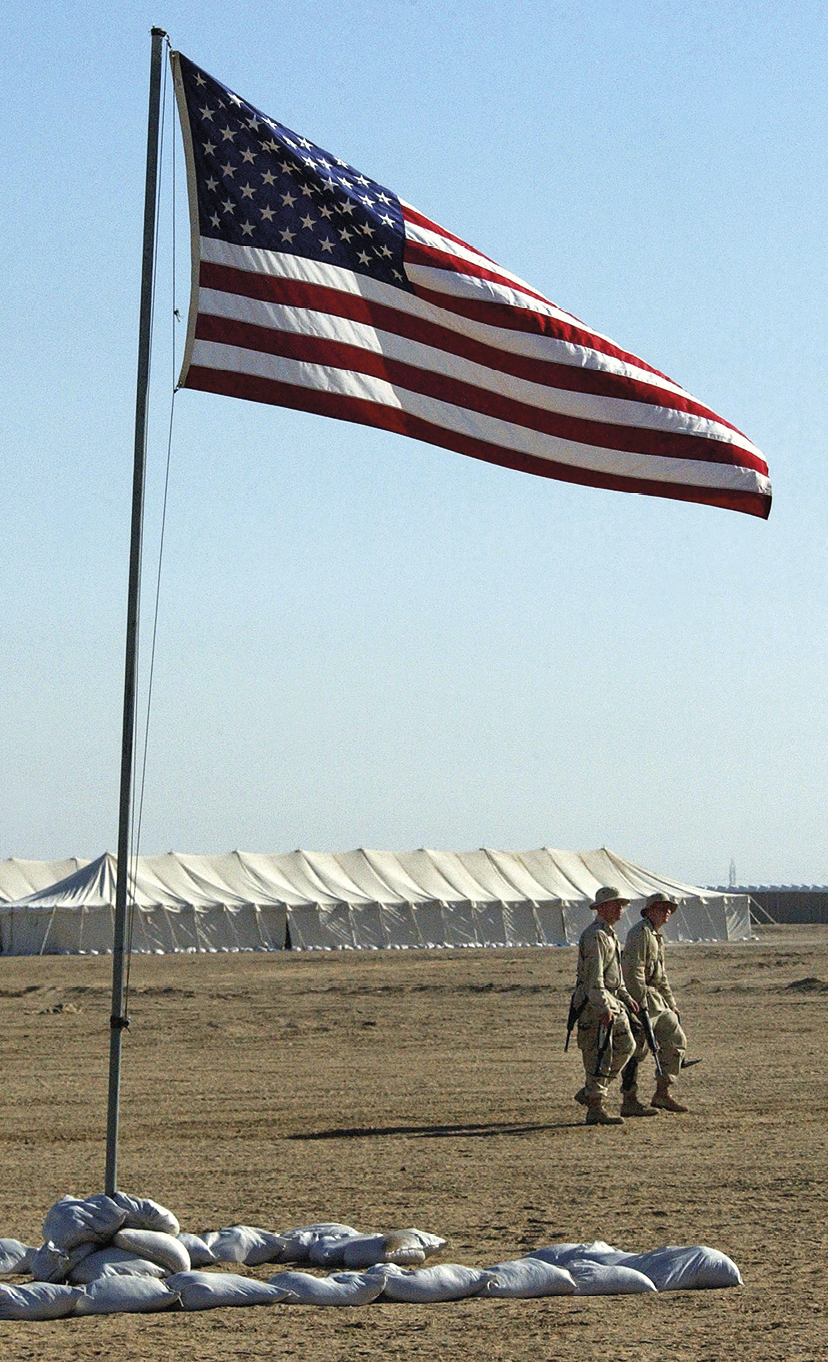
(620, 1048)
(670, 1040)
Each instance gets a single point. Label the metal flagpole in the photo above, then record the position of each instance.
(118, 1020)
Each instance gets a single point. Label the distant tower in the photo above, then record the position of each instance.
(732, 874)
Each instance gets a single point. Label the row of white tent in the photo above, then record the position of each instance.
(333, 901)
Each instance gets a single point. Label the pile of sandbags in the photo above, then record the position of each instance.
(109, 1254)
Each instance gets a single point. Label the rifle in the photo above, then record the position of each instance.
(604, 1038)
(572, 1018)
(643, 1017)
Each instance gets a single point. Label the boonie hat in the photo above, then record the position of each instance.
(657, 900)
(609, 894)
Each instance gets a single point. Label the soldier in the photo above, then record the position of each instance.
(642, 962)
(600, 1001)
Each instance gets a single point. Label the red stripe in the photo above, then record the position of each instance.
(411, 215)
(457, 392)
(535, 323)
(417, 253)
(391, 418)
(548, 373)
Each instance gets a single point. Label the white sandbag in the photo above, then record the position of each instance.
(15, 1257)
(297, 1243)
(208, 1290)
(124, 1295)
(73, 1221)
(245, 1244)
(446, 1282)
(144, 1214)
(51, 1264)
(340, 1288)
(40, 1300)
(686, 1269)
(406, 1248)
(525, 1278)
(608, 1279)
(563, 1254)
(113, 1262)
(163, 1249)
(201, 1255)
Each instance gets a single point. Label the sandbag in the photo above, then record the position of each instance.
(525, 1278)
(72, 1221)
(41, 1300)
(297, 1243)
(164, 1249)
(446, 1282)
(608, 1279)
(113, 1262)
(686, 1269)
(340, 1288)
(406, 1248)
(51, 1264)
(201, 1255)
(15, 1257)
(563, 1254)
(208, 1290)
(124, 1295)
(144, 1214)
(245, 1244)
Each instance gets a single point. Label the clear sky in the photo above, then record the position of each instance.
(365, 640)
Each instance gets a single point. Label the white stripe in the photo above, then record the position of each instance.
(254, 260)
(474, 425)
(305, 322)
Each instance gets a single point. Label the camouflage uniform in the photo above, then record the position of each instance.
(642, 962)
(600, 988)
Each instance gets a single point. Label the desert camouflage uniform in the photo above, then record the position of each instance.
(600, 988)
(642, 961)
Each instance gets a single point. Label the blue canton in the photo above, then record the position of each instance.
(261, 185)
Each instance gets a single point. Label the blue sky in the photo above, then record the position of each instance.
(364, 640)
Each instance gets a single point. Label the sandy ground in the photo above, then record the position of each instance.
(431, 1089)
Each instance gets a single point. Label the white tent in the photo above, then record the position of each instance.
(18, 878)
(350, 900)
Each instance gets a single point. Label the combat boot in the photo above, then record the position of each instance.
(663, 1100)
(597, 1114)
(630, 1105)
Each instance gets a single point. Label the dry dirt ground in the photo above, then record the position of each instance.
(430, 1089)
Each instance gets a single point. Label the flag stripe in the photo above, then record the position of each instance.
(255, 388)
(614, 396)
(319, 339)
(519, 441)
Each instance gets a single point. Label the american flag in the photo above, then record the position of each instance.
(317, 288)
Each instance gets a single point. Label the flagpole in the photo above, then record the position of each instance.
(118, 1020)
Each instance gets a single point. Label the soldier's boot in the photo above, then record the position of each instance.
(597, 1114)
(582, 1097)
(630, 1105)
(663, 1100)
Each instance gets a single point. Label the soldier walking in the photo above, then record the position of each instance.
(600, 1002)
(645, 977)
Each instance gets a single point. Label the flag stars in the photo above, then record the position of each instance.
(308, 221)
(325, 212)
(345, 234)
(268, 177)
(247, 228)
(267, 213)
(248, 155)
(228, 170)
(209, 148)
(247, 191)
(199, 79)
(307, 191)
(206, 113)
(228, 206)
(215, 220)
(227, 134)
(327, 244)
(287, 235)
(288, 200)
(212, 185)
(363, 258)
